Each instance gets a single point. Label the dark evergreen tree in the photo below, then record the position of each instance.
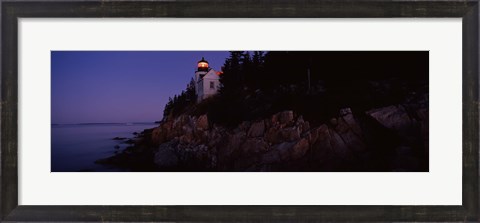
(255, 78)
(190, 92)
(168, 107)
(231, 78)
(247, 71)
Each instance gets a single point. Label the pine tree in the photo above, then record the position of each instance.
(190, 92)
(247, 70)
(231, 79)
(256, 76)
(168, 107)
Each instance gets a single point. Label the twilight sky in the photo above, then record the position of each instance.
(120, 86)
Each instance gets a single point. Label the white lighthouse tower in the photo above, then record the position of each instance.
(207, 80)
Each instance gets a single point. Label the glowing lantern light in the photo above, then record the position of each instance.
(202, 65)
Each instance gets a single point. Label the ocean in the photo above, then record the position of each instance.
(75, 147)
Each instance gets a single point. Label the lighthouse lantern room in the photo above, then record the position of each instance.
(203, 65)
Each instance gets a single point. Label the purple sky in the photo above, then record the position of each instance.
(120, 86)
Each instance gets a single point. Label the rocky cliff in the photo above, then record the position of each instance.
(393, 138)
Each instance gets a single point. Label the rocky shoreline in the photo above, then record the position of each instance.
(392, 138)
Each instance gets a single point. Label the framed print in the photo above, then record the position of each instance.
(239, 111)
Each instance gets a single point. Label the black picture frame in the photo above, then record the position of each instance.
(468, 10)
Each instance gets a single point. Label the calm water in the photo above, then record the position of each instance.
(75, 147)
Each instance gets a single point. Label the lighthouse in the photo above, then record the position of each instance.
(207, 80)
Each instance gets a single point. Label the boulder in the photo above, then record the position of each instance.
(350, 136)
(257, 129)
(233, 144)
(215, 136)
(290, 134)
(202, 122)
(345, 111)
(181, 122)
(302, 125)
(409, 123)
(254, 145)
(188, 137)
(272, 135)
(242, 127)
(277, 135)
(165, 157)
(278, 153)
(329, 145)
(339, 147)
(391, 117)
(159, 136)
(311, 136)
(352, 123)
(284, 117)
(320, 142)
(200, 136)
(286, 151)
(299, 149)
(271, 157)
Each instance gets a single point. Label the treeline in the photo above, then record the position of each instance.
(264, 70)
(316, 84)
(179, 103)
(243, 70)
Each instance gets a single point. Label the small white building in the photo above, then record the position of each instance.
(207, 80)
